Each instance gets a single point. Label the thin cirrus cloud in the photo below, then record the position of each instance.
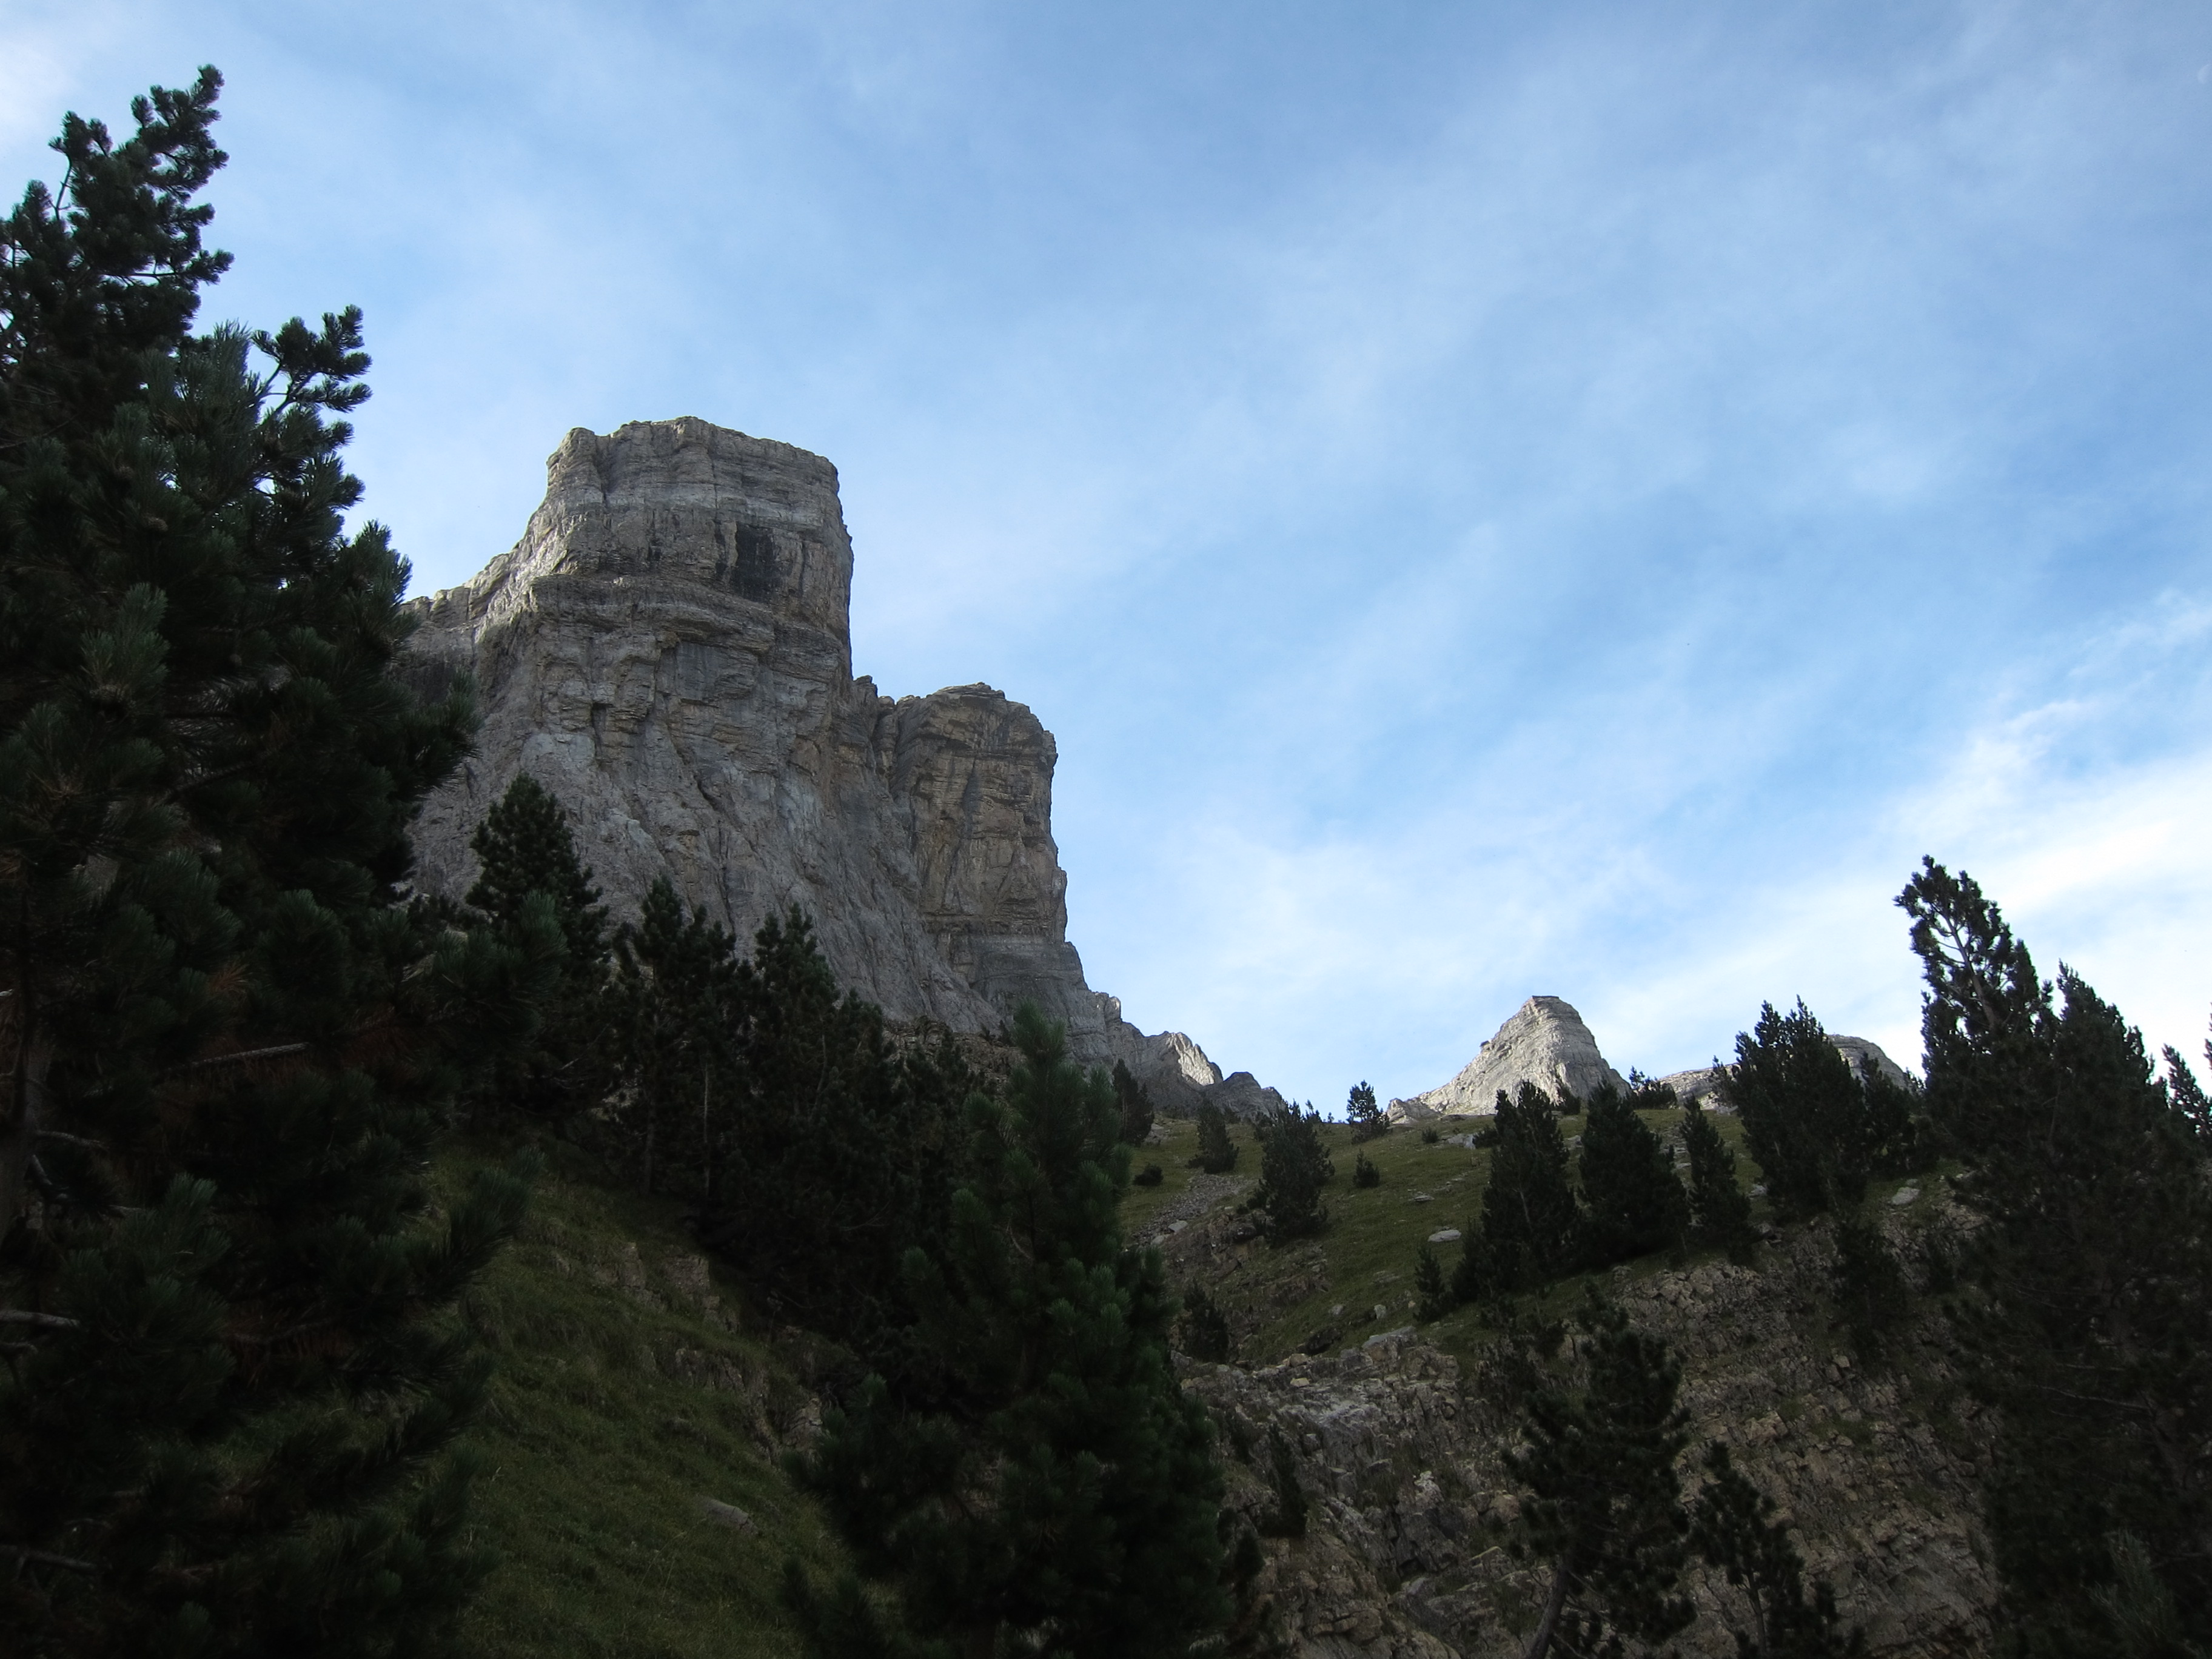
(1562, 498)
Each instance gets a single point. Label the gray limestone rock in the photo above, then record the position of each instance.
(666, 650)
(1545, 1043)
(1241, 1095)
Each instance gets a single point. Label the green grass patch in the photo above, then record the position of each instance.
(622, 1399)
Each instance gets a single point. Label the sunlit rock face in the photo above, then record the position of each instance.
(1545, 1043)
(667, 651)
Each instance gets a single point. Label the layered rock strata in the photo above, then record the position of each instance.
(1545, 1043)
(667, 650)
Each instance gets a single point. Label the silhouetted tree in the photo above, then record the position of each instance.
(1043, 1486)
(1365, 1113)
(230, 1043)
(523, 848)
(1136, 1105)
(1632, 1204)
(1720, 1211)
(1604, 1510)
(1733, 1525)
(2089, 1310)
(1294, 1169)
(1217, 1152)
(1530, 1222)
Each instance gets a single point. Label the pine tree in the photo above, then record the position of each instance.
(1805, 1121)
(1432, 1299)
(1217, 1152)
(1733, 1525)
(1530, 1223)
(1720, 1213)
(1043, 1486)
(1605, 1504)
(2089, 1302)
(1203, 1329)
(1136, 1105)
(1365, 1113)
(1294, 1168)
(671, 1006)
(1633, 1204)
(523, 848)
(1365, 1172)
(1869, 1285)
(226, 1424)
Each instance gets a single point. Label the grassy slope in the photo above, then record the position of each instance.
(1366, 1256)
(628, 1388)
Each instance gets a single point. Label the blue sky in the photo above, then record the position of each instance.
(1565, 498)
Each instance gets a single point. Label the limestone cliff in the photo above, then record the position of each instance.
(667, 650)
(1545, 1043)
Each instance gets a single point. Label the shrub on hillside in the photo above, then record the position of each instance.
(1633, 1204)
(1816, 1131)
(1365, 1113)
(1135, 1103)
(1530, 1221)
(1720, 1213)
(1217, 1152)
(1295, 1166)
(1202, 1330)
(1364, 1173)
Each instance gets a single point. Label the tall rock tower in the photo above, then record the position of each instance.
(667, 650)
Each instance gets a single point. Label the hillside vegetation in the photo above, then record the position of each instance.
(629, 1482)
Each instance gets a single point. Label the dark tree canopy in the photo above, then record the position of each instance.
(1295, 1169)
(1042, 1485)
(525, 853)
(1531, 1224)
(1720, 1211)
(1217, 1152)
(1633, 1204)
(230, 1044)
(1816, 1131)
(1604, 1510)
(1365, 1113)
(1734, 1526)
(2089, 1311)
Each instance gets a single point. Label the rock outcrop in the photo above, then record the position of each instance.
(1399, 1447)
(1545, 1043)
(666, 650)
(1703, 1083)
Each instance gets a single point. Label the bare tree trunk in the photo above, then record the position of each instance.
(1541, 1643)
(19, 1136)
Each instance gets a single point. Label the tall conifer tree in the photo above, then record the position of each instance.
(1605, 1510)
(2091, 1316)
(1530, 1222)
(1040, 1483)
(1633, 1203)
(225, 1425)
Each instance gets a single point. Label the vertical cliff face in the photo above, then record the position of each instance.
(667, 650)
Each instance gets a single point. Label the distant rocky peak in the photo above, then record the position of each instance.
(1544, 1043)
